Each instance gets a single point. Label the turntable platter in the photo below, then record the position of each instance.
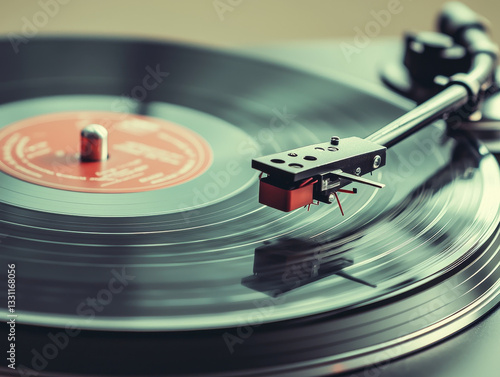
(417, 254)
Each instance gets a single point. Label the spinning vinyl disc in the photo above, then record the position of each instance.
(161, 261)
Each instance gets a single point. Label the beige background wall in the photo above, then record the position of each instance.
(238, 22)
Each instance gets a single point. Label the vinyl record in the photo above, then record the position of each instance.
(163, 254)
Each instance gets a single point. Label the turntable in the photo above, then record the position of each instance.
(134, 243)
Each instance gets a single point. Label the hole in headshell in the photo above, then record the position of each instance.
(296, 165)
(277, 161)
(310, 158)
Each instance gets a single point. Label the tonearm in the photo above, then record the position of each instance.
(297, 177)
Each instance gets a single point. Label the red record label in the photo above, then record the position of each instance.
(144, 153)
